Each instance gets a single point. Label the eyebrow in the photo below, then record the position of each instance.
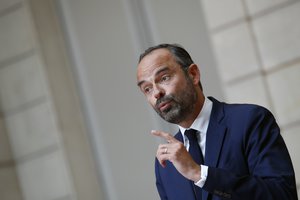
(156, 73)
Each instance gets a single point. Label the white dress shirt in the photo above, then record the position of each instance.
(200, 124)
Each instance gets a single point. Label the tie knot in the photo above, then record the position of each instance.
(191, 135)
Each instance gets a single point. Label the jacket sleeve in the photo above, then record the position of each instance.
(159, 185)
(271, 175)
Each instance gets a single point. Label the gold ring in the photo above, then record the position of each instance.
(166, 150)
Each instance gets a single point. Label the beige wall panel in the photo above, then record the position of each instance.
(255, 6)
(32, 130)
(16, 34)
(222, 12)
(278, 36)
(21, 83)
(45, 177)
(251, 90)
(235, 52)
(9, 186)
(284, 89)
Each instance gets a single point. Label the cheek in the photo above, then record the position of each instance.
(151, 100)
(176, 88)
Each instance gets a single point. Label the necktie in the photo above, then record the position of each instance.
(197, 156)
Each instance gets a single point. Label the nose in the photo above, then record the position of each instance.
(158, 92)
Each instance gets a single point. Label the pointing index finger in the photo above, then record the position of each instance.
(164, 135)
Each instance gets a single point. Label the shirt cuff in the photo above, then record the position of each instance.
(204, 171)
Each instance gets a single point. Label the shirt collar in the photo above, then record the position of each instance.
(201, 122)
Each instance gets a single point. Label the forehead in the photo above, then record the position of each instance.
(154, 61)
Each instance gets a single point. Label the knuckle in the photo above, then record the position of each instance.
(179, 145)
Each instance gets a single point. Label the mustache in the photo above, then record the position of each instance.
(164, 99)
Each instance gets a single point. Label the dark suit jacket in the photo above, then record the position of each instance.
(246, 156)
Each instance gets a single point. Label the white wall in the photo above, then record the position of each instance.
(105, 38)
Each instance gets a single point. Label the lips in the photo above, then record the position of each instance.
(164, 105)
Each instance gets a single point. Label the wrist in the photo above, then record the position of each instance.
(196, 174)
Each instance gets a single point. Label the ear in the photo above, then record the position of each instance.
(194, 73)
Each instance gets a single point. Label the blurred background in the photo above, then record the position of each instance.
(73, 124)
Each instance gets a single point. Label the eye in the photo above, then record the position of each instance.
(165, 78)
(147, 89)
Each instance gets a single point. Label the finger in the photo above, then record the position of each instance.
(164, 135)
(163, 149)
(162, 159)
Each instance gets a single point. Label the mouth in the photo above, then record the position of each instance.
(164, 105)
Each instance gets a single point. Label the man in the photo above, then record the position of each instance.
(239, 153)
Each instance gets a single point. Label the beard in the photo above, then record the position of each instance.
(181, 104)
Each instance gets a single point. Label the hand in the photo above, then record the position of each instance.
(175, 152)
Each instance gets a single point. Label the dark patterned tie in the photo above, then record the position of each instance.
(196, 154)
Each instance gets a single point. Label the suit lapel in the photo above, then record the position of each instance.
(214, 137)
(214, 141)
(178, 136)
